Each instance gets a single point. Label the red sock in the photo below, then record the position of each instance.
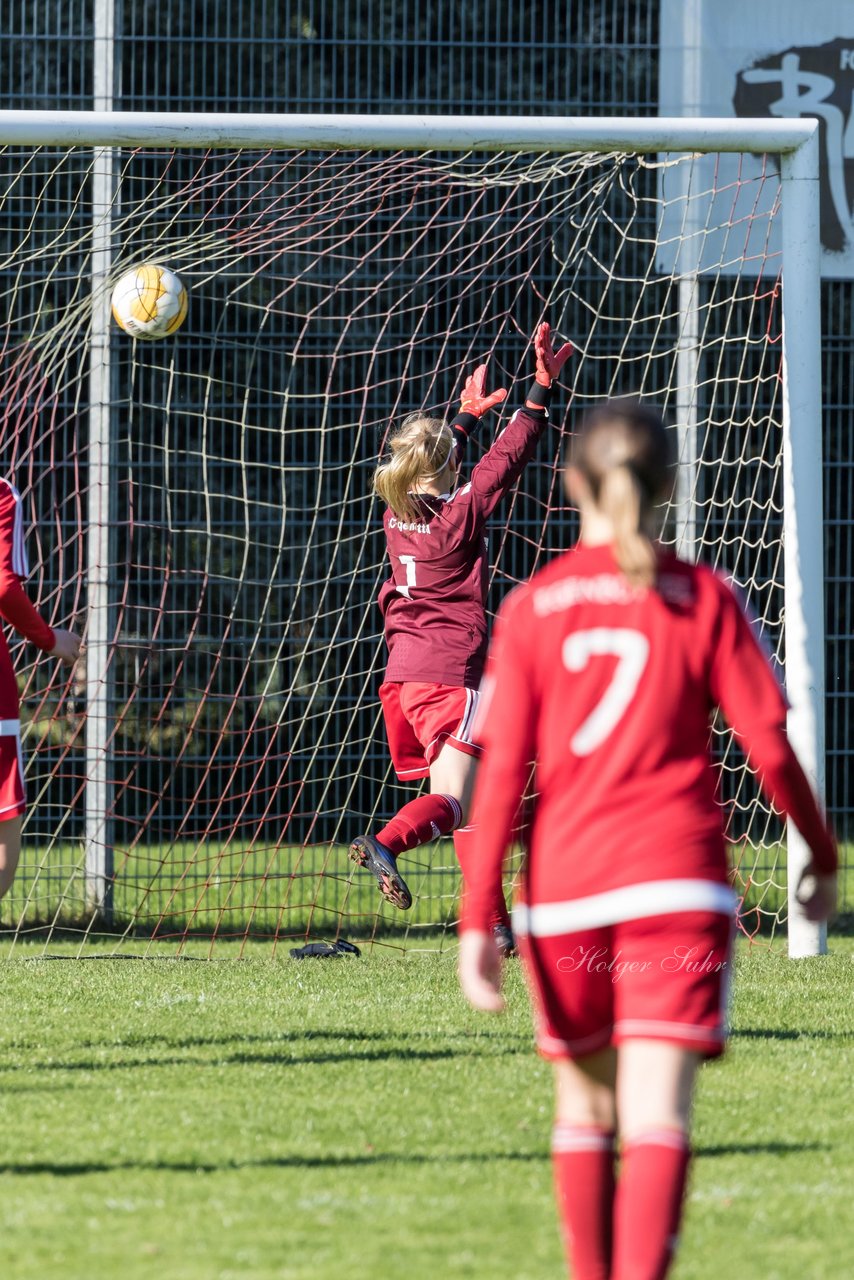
(648, 1205)
(583, 1162)
(421, 820)
(462, 846)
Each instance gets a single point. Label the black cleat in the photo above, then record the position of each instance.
(371, 855)
(504, 940)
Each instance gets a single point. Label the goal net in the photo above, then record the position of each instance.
(330, 293)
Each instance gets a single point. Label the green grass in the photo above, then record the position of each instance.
(230, 890)
(262, 1119)
(244, 888)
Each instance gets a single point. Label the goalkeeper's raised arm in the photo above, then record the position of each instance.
(434, 609)
(473, 504)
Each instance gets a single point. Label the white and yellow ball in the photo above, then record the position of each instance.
(149, 302)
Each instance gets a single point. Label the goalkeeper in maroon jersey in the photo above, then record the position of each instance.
(433, 607)
(604, 670)
(16, 609)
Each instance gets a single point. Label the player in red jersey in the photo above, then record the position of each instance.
(604, 670)
(433, 607)
(15, 608)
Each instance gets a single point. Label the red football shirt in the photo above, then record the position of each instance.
(15, 606)
(610, 691)
(433, 604)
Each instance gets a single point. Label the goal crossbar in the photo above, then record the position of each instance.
(795, 141)
(416, 132)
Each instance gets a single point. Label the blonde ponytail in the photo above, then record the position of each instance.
(420, 450)
(621, 498)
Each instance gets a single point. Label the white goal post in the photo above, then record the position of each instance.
(794, 141)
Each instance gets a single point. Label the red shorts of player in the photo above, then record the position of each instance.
(663, 977)
(12, 797)
(421, 718)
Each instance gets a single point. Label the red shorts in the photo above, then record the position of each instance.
(12, 798)
(663, 977)
(421, 718)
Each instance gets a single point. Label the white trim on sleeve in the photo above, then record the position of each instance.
(632, 902)
(20, 564)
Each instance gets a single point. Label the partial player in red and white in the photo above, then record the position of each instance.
(605, 670)
(433, 607)
(16, 609)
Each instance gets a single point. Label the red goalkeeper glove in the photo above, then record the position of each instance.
(474, 399)
(474, 403)
(549, 365)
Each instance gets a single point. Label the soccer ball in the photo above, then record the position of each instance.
(149, 302)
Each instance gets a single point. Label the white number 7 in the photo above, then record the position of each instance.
(632, 650)
(409, 562)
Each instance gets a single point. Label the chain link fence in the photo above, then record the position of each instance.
(582, 57)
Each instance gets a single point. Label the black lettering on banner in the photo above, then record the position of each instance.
(815, 81)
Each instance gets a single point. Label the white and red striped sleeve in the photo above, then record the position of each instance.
(20, 564)
(15, 605)
(505, 725)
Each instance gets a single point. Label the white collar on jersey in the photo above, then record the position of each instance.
(413, 493)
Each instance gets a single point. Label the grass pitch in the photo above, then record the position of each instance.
(258, 1119)
(244, 889)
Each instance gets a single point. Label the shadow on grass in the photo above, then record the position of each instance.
(398, 1052)
(71, 1169)
(459, 1044)
(788, 1033)
(758, 1148)
(60, 1169)
(309, 1033)
(193, 1042)
(250, 1059)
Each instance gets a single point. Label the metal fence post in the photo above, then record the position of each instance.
(803, 526)
(98, 825)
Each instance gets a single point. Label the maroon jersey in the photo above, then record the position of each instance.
(610, 690)
(433, 604)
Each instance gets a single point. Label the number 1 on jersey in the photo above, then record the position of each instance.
(409, 562)
(631, 648)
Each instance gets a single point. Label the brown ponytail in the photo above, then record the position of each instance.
(420, 450)
(624, 453)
